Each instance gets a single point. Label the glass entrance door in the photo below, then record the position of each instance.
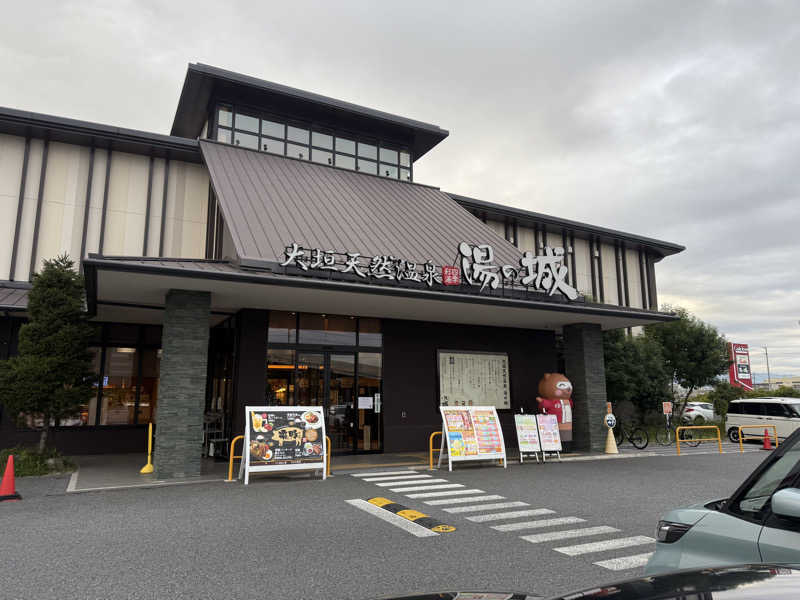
(341, 401)
(328, 378)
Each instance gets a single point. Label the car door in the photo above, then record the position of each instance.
(779, 539)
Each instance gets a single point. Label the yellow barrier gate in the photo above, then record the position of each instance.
(430, 444)
(241, 437)
(774, 433)
(714, 427)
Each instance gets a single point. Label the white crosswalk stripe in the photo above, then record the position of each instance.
(636, 540)
(397, 477)
(514, 514)
(405, 524)
(625, 562)
(450, 493)
(464, 500)
(419, 488)
(380, 473)
(553, 536)
(412, 481)
(519, 526)
(480, 507)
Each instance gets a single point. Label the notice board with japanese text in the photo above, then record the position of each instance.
(472, 433)
(473, 379)
(283, 438)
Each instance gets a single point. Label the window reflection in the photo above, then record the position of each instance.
(296, 151)
(388, 156)
(405, 159)
(272, 129)
(119, 394)
(344, 145)
(367, 150)
(327, 330)
(405, 174)
(224, 135)
(389, 171)
(369, 401)
(369, 332)
(280, 376)
(321, 156)
(367, 166)
(245, 140)
(322, 140)
(273, 146)
(346, 162)
(246, 123)
(296, 134)
(282, 327)
(225, 117)
(148, 396)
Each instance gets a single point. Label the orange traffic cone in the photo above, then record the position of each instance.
(7, 491)
(767, 443)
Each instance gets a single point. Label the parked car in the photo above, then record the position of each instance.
(783, 413)
(747, 582)
(698, 412)
(760, 522)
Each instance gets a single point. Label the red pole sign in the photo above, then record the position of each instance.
(739, 371)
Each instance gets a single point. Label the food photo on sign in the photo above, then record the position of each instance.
(285, 437)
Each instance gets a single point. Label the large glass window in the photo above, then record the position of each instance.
(280, 376)
(323, 147)
(88, 412)
(369, 332)
(148, 395)
(282, 327)
(119, 392)
(327, 330)
(369, 406)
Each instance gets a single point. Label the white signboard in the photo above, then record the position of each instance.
(549, 437)
(527, 435)
(473, 379)
(471, 433)
(283, 438)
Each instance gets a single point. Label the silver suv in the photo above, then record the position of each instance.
(759, 523)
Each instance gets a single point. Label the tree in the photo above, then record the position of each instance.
(695, 354)
(51, 377)
(635, 370)
(721, 396)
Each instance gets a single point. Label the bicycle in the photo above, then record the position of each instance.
(634, 434)
(666, 435)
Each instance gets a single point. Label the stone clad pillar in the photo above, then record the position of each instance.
(585, 368)
(182, 385)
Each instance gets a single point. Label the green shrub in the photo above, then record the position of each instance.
(29, 462)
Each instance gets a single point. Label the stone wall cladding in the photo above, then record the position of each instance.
(182, 387)
(585, 368)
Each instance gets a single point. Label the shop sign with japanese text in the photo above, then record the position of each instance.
(546, 273)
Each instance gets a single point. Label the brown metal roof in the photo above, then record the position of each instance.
(269, 202)
(13, 295)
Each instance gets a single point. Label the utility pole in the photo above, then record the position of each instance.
(769, 379)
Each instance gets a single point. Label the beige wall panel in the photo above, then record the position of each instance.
(157, 195)
(609, 275)
(96, 201)
(12, 155)
(527, 239)
(498, 226)
(25, 246)
(634, 278)
(63, 201)
(583, 269)
(187, 205)
(127, 201)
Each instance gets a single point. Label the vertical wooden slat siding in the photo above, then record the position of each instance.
(573, 261)
(87, 205)
(40, 198)
(593, 268)
(624, 252)
(164, 208)
(617, 267)
(599, 245)
(642, 279)
(105, 204)
(147, 207)
(20, 206)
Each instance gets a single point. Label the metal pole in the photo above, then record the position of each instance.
(769, 379)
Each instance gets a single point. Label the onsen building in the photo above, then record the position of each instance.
(274, 248)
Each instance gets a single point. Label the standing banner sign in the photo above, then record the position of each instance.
(471, 433)
(549, 437)
(527, 435)
(283, 438)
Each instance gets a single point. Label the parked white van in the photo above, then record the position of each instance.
(783, 413)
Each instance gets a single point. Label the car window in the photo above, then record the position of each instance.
(707, 406)
(775, 410)
(735, 408)
(754, 500)
(752, 408)
(793, 409)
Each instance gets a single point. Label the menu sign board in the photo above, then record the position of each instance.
(527, 434)
(472, 433)
(473, 379)
(549, 437)
(283, 438)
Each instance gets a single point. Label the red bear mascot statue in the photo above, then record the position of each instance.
(555, 398)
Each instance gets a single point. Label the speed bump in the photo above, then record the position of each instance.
(412, 515)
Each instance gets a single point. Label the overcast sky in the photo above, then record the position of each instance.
(675, 120)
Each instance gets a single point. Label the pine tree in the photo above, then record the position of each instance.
(51, 377)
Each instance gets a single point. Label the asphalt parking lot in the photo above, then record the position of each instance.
(305, 538)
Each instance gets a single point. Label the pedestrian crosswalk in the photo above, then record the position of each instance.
(535, 525)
